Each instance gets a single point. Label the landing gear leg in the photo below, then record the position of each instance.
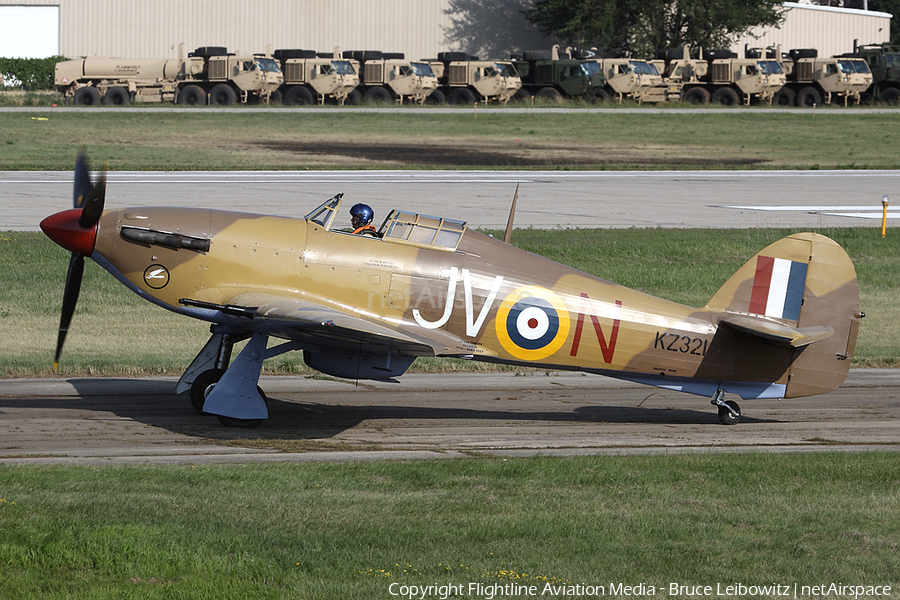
(209, 366)
(729, 411)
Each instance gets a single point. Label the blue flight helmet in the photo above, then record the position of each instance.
(363, 212)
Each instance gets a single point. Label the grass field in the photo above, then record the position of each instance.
(114, 332)
(352, 530)
(247, 139)
(348, 531)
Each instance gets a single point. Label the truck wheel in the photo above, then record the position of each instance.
(222, 95)
(378, 95)
(784, 97)
(436, 98)
(697, 95)
(809, 96)
(522, 95)
(117, 96)
(461, 96)
(548, 94)
(298, 95)
(596, 96)
(192, 95)
(87, 96)
(726, 97)
(276, 97)
(890, 96)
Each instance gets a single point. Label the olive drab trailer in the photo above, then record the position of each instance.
(389, 77)
(721, 77)
(884, 63)
(464, 79)
(311, 77)
(813, 81)
(546, 76)
(208, 75)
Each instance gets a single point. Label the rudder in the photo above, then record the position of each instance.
(804, 281)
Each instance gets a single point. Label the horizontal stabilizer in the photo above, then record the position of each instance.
(779, 332)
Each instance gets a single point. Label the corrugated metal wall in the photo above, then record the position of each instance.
(155, 28)
(830, 30)
(419, 28)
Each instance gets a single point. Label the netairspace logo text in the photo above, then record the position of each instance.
(673, 590)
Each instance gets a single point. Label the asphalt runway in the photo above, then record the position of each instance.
(142, 421)
(547, 199)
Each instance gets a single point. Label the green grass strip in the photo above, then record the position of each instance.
(350, 530)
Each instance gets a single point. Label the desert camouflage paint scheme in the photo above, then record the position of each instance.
(363, 307)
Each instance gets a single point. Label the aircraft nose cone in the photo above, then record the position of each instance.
(63, 228)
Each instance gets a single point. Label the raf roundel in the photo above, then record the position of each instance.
(532, 323)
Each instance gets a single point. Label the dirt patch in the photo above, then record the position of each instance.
(448, 155)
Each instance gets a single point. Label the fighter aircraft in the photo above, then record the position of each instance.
(364, 307)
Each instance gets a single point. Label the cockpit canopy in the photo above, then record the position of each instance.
(400, 227)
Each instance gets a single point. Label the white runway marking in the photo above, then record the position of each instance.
(855, 211)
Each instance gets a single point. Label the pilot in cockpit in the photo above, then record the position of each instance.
(361, 216)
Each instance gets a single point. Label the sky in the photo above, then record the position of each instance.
(29, 31)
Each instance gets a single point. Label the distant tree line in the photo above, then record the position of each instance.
(30, 74)
(640, 28)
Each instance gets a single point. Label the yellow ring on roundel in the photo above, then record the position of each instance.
(532, 323)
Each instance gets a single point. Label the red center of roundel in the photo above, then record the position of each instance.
(532, 323)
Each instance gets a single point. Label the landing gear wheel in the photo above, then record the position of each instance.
(732, 416)
(202, 386)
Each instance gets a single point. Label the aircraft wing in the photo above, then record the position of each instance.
(778, 332)
(304, 320)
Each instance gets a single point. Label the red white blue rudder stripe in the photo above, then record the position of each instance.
(778, 287)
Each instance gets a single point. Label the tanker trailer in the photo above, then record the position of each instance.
(208, 75)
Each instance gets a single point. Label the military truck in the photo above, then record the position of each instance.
(721, 77)
(884, 63)
(813, 81)
(546, 76)
(208, 75)
(311, 77)
(389, 77)
(633, 78)
(465, 79)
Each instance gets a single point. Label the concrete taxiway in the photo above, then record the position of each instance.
(127, 421)
(547, 199)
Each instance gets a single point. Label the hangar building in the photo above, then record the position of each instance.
(419, 28)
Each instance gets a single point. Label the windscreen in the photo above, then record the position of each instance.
(342, 67)
(268, 65)
(422, 69)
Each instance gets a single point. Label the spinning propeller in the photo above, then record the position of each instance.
(76, 231)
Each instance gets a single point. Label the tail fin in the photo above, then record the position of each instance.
(795, 291)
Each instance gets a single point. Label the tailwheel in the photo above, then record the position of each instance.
(729, 411)
(730, 414)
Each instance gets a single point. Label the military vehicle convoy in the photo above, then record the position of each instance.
(464, 79)
(583, 74)
(813, 81)
(884, 63)
(721, 77)
(208, 75)
(389, 77)
(311, 77)
(211, 75)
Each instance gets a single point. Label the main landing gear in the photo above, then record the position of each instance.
(729, 411)
(229, 390)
